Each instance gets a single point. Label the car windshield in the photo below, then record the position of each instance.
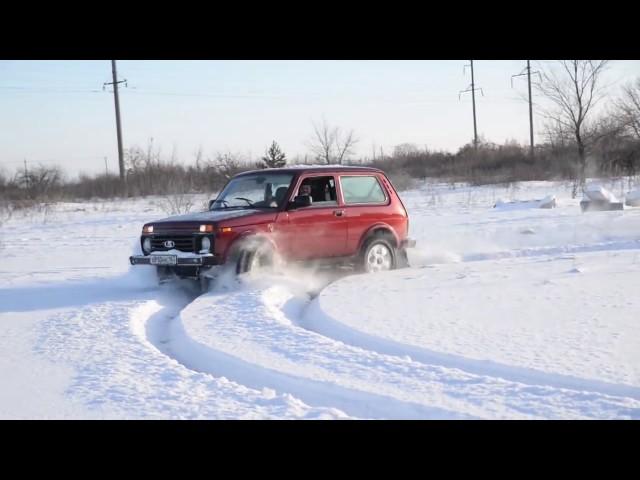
(260, 190)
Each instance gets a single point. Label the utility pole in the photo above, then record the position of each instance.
(472, 88)
(530, 108)
(528, 74)
(118, 127)
(473, 100)
(26, 174)
(106, 168)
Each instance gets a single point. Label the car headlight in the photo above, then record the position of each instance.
(206, 244)
(146, 245)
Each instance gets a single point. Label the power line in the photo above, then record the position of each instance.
(374, 99)
(211, 95)
(44, 90)
(3, 162)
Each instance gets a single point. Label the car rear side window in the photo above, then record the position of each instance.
(361, 189)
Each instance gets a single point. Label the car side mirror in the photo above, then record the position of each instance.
(301, 201)
(211, 202)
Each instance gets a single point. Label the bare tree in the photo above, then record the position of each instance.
(228, 164)
(405, 150)
(330, 144)
(322, 142)
(40, 182)
(574, 91)
(345, 145)
(628, 109)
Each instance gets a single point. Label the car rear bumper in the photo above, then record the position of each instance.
(408, 243)
(176, 261)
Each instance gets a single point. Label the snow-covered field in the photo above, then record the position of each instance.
(507, 312)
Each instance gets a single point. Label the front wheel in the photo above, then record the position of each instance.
(378, 256)
(254, 259)
(164, 275)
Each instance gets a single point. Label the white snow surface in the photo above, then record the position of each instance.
(547, 201)
(597, 192)
(633, 198)
(505, 313)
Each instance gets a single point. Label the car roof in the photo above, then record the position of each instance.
(298, 169)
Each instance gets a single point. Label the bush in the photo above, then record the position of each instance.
(490, 163)
(148, 173)
(402, 180)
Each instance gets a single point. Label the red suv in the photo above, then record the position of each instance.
(315, 213)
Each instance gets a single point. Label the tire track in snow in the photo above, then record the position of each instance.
(555, 250)
(117, 373)
(252, 335)
(317, 320)
(168, 334)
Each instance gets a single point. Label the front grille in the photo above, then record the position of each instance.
(184, 243)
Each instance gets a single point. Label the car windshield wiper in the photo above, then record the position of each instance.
(245, 199)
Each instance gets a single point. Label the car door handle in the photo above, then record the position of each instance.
(338, 213)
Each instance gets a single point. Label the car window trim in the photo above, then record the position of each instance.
(387, 198)
(303, 177)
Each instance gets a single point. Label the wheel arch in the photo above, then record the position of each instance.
(246, 239)
(379, 229)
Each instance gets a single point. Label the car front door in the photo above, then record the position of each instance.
(316, 231)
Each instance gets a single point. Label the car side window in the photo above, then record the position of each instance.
(362, 189)
(321, 189)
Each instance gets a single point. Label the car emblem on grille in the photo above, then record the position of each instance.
(169, 243)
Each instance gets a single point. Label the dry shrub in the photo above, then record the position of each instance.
(402, 180)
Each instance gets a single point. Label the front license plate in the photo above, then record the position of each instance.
(163, 259)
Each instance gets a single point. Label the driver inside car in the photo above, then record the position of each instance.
(305, 189)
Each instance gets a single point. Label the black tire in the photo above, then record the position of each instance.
(378, 254)
(248, 259)
(164, 275)
(205, 284)
(402, 258)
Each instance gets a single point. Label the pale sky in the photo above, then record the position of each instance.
(55, 112)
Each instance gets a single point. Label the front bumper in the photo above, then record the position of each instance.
(175, 260)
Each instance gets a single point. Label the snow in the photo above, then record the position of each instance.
(508, 312)
(530, 319)
(597, 192)
(547, 202)
(633, 198)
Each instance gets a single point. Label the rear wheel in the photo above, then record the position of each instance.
(402, 259)
(378, 255)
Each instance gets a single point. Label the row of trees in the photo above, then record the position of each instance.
(148, 173)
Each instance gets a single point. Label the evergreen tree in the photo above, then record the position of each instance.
(274, 158)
